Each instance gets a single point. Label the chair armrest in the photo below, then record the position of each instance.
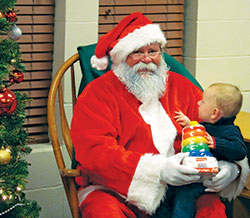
(245, 193)
(70, 172)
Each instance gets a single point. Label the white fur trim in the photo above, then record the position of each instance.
(235, 187)
(99, 63)
(138, 38)
(146, 190)
(162, 128)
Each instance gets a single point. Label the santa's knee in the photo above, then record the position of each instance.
(102, 204)
(209, 205)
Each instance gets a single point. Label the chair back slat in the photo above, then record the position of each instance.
(73, 85)
(64, 124)
(54, 136)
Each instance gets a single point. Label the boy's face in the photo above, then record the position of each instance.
(206, 106)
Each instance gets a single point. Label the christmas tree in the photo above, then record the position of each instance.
(13, 148)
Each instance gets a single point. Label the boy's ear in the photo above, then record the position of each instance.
(216, 114)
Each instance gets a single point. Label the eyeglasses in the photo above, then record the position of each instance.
(140, 55)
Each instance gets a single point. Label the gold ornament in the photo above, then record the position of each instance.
(1, 15)
(19, 188)
(13, 61)
(5, 156)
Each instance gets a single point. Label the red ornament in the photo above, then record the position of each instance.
(8, 102)
(16, 77)
(10, 15)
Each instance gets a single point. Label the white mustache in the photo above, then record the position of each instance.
(142, 66)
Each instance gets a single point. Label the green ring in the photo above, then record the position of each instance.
(196, 146)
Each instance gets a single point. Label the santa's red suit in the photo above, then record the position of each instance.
(121, 143)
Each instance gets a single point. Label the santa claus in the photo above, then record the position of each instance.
(126, 139)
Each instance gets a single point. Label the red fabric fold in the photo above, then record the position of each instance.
(210, 206)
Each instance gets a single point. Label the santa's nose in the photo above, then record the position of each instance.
(146, 59)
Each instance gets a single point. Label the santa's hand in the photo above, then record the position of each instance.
(228, 173)
(174, 173)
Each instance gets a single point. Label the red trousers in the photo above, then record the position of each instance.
(108, 205)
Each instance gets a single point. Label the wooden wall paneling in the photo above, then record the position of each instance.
(36, 20)
(167, 13)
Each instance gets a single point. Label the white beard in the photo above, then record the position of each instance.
(147, 85)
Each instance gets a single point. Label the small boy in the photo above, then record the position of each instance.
(218, 108)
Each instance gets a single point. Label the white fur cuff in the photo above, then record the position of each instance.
(236, 187)
(146, 190)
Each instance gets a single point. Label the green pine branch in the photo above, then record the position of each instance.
(10, 56)
(4, 26)
(5, 5)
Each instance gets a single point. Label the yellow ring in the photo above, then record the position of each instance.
(193, 140)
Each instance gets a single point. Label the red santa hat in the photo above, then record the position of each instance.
(130, 34)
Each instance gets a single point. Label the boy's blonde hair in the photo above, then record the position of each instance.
(228, 98)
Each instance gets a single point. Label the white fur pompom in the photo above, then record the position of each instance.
(99, 63)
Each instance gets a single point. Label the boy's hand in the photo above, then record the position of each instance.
(182, 119)
(210, 141)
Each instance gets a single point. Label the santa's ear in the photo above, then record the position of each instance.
(216, 114)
